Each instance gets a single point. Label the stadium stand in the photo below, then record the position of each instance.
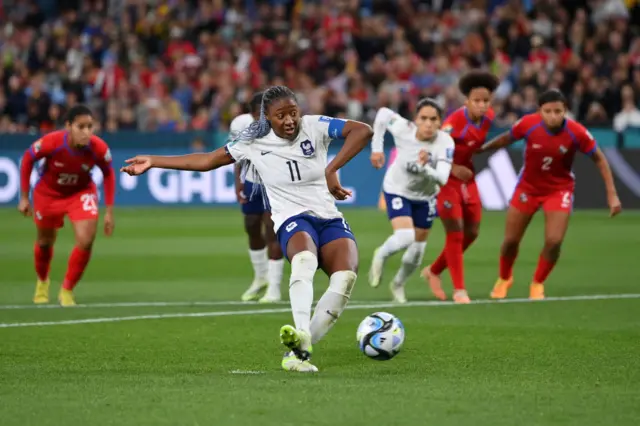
(175, 65)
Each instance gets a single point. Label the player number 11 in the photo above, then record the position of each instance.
(546, 163)
(293, 167)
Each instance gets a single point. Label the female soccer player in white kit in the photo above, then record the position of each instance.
(422, 166)
(289, 154)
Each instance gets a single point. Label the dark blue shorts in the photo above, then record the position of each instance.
(257, 203)
(322, 231)
(422, 212)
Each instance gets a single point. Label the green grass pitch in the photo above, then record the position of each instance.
(571, 362)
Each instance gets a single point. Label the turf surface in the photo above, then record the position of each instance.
(572, 362)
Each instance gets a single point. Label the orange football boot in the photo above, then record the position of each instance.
(501, 288)
(536, 291)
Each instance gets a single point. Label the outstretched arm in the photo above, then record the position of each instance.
(518, 131)
(501, 141)
(599, 158)
(200, 162)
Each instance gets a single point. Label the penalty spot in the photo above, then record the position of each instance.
(246, 372)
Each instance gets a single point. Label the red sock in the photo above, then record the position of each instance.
(77, 263)
(506, 266)
(453, 254)
(440, 264)
(43, 256)
(543, 270)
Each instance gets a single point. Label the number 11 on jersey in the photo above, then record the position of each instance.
(294, 170)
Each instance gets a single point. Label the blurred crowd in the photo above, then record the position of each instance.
(176, 65)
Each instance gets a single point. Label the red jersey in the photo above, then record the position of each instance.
(67, 170)
(548, 157)
(468, 137)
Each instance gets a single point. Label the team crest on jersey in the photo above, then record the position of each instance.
(107, 156)
(563, 149)
(448, 128)
(447, 204)
(37, 146)
(85, 167)
(523, 198)
(307, 148)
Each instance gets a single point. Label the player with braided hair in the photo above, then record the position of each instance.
(288, 153)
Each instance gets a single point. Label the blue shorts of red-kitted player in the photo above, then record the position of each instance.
(257, 202)
(322, 231)
(423, 213)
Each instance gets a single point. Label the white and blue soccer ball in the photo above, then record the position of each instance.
(380, 336)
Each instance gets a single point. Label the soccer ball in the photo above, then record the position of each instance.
(380, 336)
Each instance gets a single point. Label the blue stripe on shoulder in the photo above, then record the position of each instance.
(336, 126)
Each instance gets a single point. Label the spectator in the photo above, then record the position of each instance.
(629, 117)
(181, 65)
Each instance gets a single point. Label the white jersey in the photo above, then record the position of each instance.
(293, 172)
(405, 177)
(237, 125)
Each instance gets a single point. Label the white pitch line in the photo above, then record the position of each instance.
(238, 303)
(286, 310)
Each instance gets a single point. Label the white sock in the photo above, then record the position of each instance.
(411, 260)
(399, 240)
(276, 268)
(260, 266)
(332, 303)
(303, 268)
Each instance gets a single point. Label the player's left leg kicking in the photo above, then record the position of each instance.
(301, 236)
